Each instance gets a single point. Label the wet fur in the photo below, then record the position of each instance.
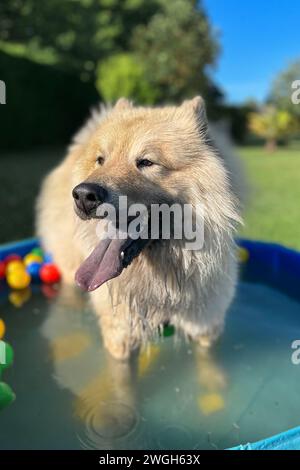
(165, 283)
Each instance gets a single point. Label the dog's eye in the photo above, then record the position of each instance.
(100, 160)
(143, 163)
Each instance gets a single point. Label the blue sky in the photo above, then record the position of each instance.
(258, 38)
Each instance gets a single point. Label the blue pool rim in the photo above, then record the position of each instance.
(21, 247)
(275, 258)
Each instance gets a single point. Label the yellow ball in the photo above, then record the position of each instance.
(18, 279)
(32, 258)
(2, 328)
(243, 255)
(19, 297)
(14, 265)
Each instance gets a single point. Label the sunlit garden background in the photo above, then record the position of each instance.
(58, 58)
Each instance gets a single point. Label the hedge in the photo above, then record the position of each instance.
(44, 105)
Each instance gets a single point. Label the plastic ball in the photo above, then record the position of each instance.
(12, 257)
(8, 355)
(38, 251)
(243, 254)
(14, 266)
(2, 328)
(32, 258)
(6, 395)
(2, 269)
(49, 273)
(18, 279)
(48, 258)
(33, 269)
(19, 297)
(168, 330)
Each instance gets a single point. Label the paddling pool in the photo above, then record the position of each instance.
(70, 394)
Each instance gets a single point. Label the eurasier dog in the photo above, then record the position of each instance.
(163, 155)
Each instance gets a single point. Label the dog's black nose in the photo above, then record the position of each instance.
(88, 196)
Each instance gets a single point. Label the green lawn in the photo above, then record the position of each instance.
(273, 208)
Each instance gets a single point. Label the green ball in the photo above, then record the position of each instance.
(6, 395)
(38, 251)
(9, 357)
(169, 330)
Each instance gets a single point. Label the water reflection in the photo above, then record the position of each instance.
(72, 394)
(112, 399)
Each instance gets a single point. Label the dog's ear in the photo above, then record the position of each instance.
(198, 108)
(123, 103)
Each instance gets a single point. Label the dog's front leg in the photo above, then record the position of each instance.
(119, 336)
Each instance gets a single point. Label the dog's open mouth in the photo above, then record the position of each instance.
(107, 261)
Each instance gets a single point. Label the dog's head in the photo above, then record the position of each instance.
(150, 156)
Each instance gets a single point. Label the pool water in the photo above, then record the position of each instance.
(70, 394)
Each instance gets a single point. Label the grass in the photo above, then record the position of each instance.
(273, 211)
(272, 214)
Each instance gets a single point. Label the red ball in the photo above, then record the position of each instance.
(49, 273)
(12, 257)
(2, 269)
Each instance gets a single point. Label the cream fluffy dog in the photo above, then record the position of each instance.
(150, 155)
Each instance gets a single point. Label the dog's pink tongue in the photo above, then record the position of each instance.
(103, 264)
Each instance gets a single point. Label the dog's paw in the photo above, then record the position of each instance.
(205, 341)
(120, 350)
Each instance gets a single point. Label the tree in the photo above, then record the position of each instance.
(176, 46)
(78, 33)
(272, 124)
(281, 91)
(168, 44)
(123, 75)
